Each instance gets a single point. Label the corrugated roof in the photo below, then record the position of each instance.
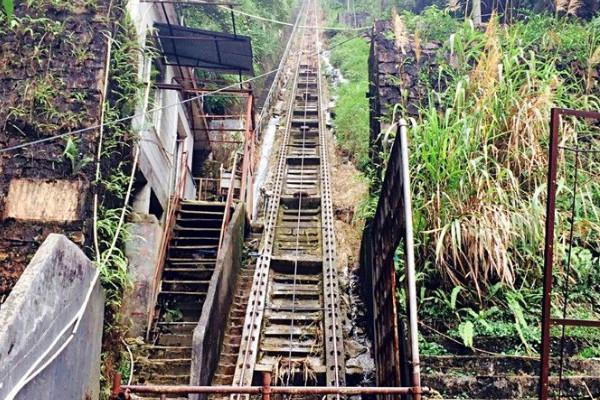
(214, 51)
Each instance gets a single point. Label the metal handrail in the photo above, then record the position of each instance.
(411, 280)
(265, 391)
(228, 201)
(203, 190)
(166, 236)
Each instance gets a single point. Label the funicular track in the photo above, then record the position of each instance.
(292, 324)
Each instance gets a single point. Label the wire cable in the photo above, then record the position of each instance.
(275, 21)
(131, 117)
(572, 218)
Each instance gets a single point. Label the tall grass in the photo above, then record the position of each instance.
(479, 160)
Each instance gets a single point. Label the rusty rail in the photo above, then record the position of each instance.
(166, 236)
(256, 304)
(547, 320)
(277, 82)
(228, 201)
(265, 391)
(206, 187)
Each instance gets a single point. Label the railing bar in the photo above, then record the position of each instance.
(323, 390)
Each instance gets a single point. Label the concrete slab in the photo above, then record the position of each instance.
(44, 200)
(48, 295)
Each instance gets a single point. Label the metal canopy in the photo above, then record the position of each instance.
(215, 51)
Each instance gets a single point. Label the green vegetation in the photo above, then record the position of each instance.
(113, 183)
(350, 55)
(478, 158)
(479, 163)
(8, 7)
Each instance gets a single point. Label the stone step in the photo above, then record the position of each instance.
(167, 351)
(171, 366)
(174, 339)
(181, 327)
(203, 274)
(482, 365)
(509, 386)
(189, 285)
(166, 379)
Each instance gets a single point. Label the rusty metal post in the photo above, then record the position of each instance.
(549, 254)
(116, 386)
(411, 280)
(266, 388)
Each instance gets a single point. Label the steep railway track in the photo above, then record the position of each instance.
(292, 324)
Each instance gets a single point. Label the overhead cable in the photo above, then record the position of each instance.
(131, 117)
(275, 21)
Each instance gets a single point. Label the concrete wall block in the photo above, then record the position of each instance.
(142, 251)
(208, 335)
(48, 295)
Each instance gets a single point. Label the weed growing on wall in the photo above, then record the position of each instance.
(114, 178)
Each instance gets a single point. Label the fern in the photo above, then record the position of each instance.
(466, 330)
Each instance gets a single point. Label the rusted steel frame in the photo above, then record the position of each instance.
(219, 141)
(116, 386)
(258, 390)
(246, 360)
(213, 92)
(246, 186)
(224, 116)
(409, 265)
(228, 203)
(265, 390)
(577, 113)
(166, 236)
(384, 279)
(203, 189)
(576, 322)
(391, 225)
(547, 320)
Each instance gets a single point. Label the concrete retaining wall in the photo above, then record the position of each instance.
(396, 77)
(142, 252)
(45, 299)
(208, 335)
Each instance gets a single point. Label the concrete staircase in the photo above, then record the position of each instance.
(190, 262)
(231, 341)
